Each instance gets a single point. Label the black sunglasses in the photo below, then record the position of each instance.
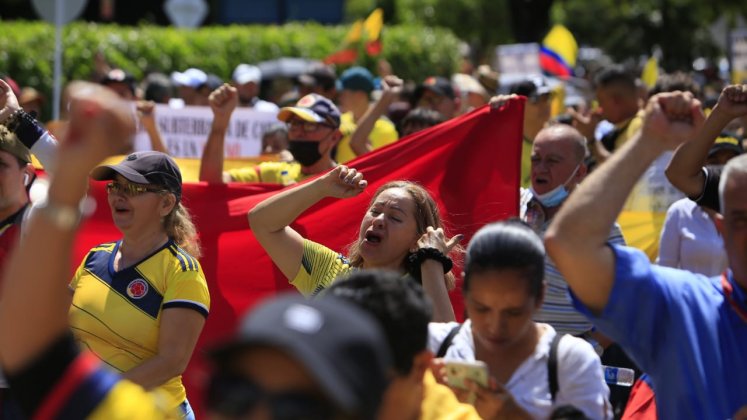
(233, 396)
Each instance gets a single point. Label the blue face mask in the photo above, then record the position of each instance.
(557, 195)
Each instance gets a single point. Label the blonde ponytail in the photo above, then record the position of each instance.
(179, 226)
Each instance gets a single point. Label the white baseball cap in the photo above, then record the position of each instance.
(192, 77)
(246, 73)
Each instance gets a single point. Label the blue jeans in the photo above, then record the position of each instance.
(186, 410)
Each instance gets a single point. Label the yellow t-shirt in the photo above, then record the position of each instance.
(117, 315)
(320, 267)
(632, 128)
(440, 403)
(285, 173)
(383, 133)
(526, 163)
(127, 400)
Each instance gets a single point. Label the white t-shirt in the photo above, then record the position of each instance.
(690, 241)
(580, 376)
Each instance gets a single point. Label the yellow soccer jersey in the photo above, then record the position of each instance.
(117, 315)
(269, 172)
(320, 267)
(383, 133)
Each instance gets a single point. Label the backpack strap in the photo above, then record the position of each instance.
(447, 341)
(552, 365)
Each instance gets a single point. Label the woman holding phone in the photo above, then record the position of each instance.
(503, 288)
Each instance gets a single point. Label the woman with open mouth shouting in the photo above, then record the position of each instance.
(401, 231)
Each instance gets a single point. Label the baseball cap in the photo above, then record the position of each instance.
(341, 346)
(145, 168)
(314, 108)
(119, 76)
(532, 88)
(28, 95)
(356, 78)
(9, 143)
(246, 73)
(12, 83)
(213, 82)
(191, 77)
(726, 141)
(438, 85)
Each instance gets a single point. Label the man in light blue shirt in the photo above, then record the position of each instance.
(688, 332)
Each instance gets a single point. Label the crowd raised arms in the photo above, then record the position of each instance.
(558, 306)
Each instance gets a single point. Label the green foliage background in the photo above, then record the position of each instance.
(27, 49)
(624, 29)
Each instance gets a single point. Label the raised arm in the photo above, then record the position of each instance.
(146, 111)
(684, 170)
(35, 299)
(42, 144)
(577, 237)
(586, 124)
(271, 218)
(359, 140)
(222, 102)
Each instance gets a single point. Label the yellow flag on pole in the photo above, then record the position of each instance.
(650, 72)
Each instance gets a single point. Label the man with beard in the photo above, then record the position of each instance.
(313, 132)
(247, 79)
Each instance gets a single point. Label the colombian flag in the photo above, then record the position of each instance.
(558, 52)
(374, 23)
(372, 27)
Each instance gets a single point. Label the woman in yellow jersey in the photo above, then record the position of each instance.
(140, 303)
(48, 373)
(400, 231)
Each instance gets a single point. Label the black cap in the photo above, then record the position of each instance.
(319, 74)
(438, 85)
(532, 88)
(341, 346)
(726, 141)
(119, 76)
(145, 168)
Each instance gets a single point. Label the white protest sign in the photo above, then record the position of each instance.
(185, 131)
(518, 60)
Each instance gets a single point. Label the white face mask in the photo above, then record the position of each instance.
(557, 195)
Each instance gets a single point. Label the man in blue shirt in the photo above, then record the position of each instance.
(688, 332)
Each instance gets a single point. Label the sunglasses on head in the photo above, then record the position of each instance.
(235, 396)
(131, 190)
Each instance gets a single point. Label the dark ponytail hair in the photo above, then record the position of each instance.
(507, 245)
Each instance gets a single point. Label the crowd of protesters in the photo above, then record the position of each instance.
(554, 298)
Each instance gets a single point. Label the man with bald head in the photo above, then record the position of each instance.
(557, 167)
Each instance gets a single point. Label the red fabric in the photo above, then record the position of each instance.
(374, 48)
(347, 56)
(8, 239)
(641, 404)
(469, 164)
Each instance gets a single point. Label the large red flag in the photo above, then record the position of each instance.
(469, 164)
